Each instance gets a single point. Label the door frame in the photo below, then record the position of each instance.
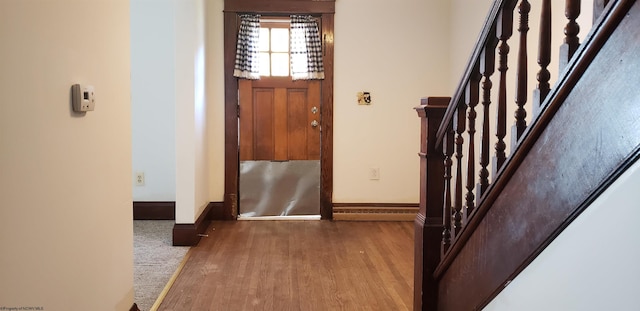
(323, 9)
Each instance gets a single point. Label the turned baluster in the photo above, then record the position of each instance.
(459, 126)
(544, 57)
(487, 68)
(571, 30)
(521, 75)
(504, 32)
(471, 98)
(446, 209)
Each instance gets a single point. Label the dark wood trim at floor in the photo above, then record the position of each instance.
(375, 211)
(190, 234)
(154, 210)
(134, 308)
(218, 213)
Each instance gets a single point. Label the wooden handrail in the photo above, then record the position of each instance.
(490, 56)
(567, 80)
(463, 204)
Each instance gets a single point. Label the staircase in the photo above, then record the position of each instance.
(491, 199)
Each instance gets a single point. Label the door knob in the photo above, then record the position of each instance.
(314, 123)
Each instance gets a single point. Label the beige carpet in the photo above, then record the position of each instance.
(155, 259)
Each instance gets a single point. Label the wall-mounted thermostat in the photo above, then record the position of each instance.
(83, 97)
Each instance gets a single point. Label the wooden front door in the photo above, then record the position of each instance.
(279, 123)
(279, 131)
(279, 119)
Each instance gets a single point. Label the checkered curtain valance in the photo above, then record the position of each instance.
(247, 48)
(306, 49)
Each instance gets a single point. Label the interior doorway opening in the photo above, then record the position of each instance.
(323, 10)
(279, 133)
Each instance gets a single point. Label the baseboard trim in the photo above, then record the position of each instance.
(134, 307)
(154, 210)
(375, 211)
(217, 212)
(190, 234)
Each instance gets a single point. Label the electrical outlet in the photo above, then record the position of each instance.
(374, 173)
(140, 179)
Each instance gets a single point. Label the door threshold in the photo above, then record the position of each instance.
(292, 217)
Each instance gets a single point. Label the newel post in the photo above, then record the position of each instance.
(428, 222)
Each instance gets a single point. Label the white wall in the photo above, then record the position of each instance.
(397, 50)
(192, 168)
(153, 98)
(214, 39)
(592, 265)
(65, 181)
(370, 55)
(465, 24)
(169, 106)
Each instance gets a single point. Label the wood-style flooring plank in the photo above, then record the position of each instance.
(298, 266)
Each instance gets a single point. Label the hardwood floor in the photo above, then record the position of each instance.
(298, 265)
